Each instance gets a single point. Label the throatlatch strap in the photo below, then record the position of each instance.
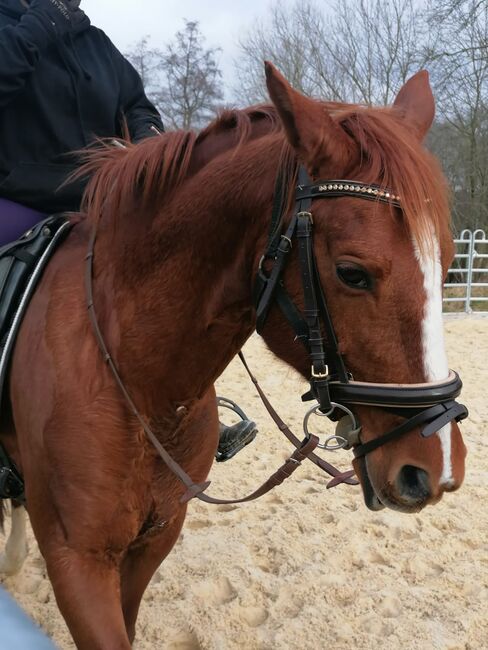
(269, 284)
(279, 205)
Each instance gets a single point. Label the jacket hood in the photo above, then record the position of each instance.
(15, 9)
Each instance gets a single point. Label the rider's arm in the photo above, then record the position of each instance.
(143, 119)
(21, 48)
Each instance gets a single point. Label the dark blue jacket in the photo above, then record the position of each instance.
(57, 96)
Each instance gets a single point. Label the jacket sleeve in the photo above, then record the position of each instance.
(21, 47)
(142, 117)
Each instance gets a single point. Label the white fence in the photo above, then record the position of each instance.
(467, 282)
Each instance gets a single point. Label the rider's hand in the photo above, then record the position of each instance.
(64, 15)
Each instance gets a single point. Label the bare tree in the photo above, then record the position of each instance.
(183, 80)
(285, 39)
(460, 74)
(444, 9)
(378, 50)
(192, 86)
(147, 61)
(360, 50)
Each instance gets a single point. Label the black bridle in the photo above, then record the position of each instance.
(429, 406)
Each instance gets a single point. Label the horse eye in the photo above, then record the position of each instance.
(354, 276)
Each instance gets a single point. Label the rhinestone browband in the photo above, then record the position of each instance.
(348, 188)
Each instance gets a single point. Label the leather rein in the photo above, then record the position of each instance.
(304, 449)
(430, 404)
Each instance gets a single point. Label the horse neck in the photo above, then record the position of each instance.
(179, 301)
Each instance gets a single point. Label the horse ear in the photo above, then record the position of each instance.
(310, 129)
(416, 103)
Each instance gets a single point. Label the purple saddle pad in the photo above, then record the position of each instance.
(15, 220)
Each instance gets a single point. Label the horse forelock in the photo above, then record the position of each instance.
(391, 155)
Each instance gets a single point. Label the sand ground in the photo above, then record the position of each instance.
(306, 568)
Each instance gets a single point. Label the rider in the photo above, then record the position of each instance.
(63, 84)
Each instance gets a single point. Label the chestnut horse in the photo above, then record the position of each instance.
(182, 225)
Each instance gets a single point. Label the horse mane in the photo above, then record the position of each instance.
(140, 176)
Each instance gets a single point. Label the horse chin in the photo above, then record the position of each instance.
(371, 499)
(373, 503)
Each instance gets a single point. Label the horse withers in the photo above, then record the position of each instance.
(183, 222)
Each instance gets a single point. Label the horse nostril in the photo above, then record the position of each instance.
(413, 483)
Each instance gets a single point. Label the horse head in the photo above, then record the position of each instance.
(381, 265)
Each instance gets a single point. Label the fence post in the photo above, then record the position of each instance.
(467, 236)
(469, 279)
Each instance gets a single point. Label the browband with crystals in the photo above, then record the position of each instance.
(348, 188)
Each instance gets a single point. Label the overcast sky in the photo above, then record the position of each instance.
(221, 21)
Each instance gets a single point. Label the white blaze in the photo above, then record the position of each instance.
(434, 352)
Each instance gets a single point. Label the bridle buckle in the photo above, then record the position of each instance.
(305, 213)
(320, 375)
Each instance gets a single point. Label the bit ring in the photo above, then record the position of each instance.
(329, 444)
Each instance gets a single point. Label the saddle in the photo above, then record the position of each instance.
(21, 265)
